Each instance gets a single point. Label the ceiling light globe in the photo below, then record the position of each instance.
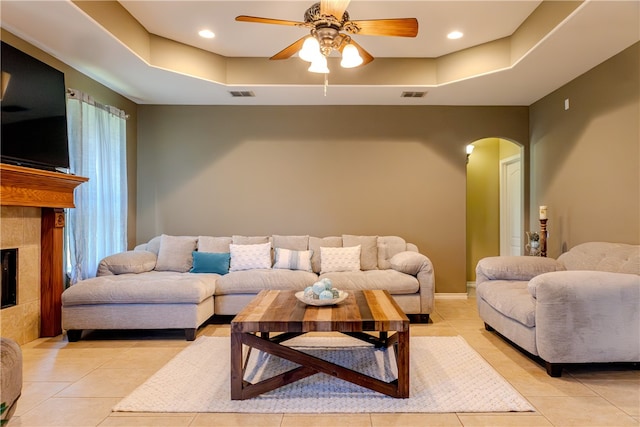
(319, 65)
(310, 49)
(454, 35)
(350, 57)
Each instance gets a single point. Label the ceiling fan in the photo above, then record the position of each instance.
(328, 22)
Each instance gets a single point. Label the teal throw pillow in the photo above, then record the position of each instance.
(210, 262)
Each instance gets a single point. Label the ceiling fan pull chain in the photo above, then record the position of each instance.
(326, 83)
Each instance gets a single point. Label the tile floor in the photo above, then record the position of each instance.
(76, 384)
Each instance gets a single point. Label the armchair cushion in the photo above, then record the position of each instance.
(512, 299)
(514, 267)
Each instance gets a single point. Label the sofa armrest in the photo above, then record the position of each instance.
(587, 316)
(522, 268)
(136, 261)
(420, 266)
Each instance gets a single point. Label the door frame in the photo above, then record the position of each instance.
(504, 223)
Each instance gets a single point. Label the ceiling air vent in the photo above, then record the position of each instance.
(413, 94)
(242, 93)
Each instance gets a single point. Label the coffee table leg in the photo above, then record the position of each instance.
(236, 366)
(403, 364)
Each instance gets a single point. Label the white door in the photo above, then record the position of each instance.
(511, 208)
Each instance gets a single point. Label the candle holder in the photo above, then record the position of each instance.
(543, 237)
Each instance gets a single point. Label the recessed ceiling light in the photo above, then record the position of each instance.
(207, 34)
(453, 35)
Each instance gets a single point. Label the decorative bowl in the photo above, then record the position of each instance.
(322, 302)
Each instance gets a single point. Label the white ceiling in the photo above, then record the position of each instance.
(596, 31)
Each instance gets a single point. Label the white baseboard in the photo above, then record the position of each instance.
(450, 295)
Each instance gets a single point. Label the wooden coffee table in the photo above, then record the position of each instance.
(281, 314)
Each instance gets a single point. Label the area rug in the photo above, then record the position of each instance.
(447, 375)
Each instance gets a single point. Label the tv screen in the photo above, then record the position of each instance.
(34, 112)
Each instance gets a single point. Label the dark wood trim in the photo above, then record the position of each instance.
(51, 272)
(51, 191)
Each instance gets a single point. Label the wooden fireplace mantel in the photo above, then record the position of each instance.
(51, 191)
(22, 186)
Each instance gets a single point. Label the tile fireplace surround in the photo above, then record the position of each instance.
(20, 228)
(32, 220)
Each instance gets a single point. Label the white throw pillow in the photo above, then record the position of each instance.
(250, 257)
(339, 259)
(175, 253)
(293, 260)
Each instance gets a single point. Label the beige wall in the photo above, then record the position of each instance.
(104, 95)
(585, 161)
(316, 170)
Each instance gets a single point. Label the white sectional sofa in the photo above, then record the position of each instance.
(583, 307)
(179, 282)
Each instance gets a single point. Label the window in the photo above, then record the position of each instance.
(97, 227)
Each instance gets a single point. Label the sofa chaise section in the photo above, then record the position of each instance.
(153, 300)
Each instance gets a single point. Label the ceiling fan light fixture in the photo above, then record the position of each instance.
(319, 65)
(310, 49)
(350, 57)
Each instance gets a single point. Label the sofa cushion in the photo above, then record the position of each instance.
(250, 257)
(511, 298)
(339, 259)
(316, 242)
(409, 262)
(296, 243)
(214, 244)
(368, 249)
(388, 246)
(293, 260)
(127, 262)
(175, 253)
(210, 262)
(390, 280)
(254, 281)
(249, 240)
(154, 287)
(154, 245)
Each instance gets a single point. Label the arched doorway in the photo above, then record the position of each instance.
(495, 201)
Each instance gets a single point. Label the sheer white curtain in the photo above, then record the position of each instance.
(97, 227)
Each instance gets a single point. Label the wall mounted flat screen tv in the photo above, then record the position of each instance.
(34, 112)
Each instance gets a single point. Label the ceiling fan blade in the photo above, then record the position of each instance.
(334, 7)
(245, 18)
(366, 56)
(290, 50)
(400, 27)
